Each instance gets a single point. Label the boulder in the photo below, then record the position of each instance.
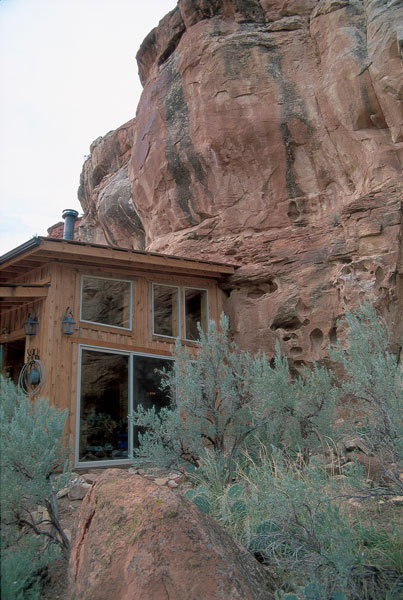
(135, 540)
(377, 469)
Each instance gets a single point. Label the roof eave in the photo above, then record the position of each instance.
(221, 269)
(32, 243)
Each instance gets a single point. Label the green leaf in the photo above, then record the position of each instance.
(235, 490)
(190, 494)
(238, 508)
(202, 503)
(338, 595)
(311, 591)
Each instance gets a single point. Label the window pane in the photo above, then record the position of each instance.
(104, 406)
(195, 312)
(165, 310)
(147, 385)
(106, 301)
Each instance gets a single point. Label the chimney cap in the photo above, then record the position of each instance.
(69, 212)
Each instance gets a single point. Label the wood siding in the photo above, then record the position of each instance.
(59, 352)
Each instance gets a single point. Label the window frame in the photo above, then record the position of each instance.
(130, 328)
(178, 310)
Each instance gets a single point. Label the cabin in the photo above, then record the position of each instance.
(90, 327)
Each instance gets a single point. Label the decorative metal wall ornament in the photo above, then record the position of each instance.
(32, 375)
(68, 323)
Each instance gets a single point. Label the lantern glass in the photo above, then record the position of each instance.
(68, 323)
(31, 325)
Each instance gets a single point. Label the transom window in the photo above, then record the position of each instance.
(106, 301)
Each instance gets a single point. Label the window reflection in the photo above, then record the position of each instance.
(104, 406)
(195, 312)
(165, 310)
(106, 301)
(105, 402)
(147, 385)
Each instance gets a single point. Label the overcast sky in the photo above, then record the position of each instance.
(68, 75)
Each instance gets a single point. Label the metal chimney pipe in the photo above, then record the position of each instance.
(69, 215)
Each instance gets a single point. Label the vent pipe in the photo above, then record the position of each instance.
(69, 215)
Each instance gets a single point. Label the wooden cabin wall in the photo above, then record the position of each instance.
(56, 347)
(59, 352)
(62, 350)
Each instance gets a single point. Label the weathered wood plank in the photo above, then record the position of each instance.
(114, 346)
(11, 292)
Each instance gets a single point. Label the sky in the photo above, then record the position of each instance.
(68, 75)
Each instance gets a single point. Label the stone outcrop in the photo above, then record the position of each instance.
(134, 539)
(270, 135)
(105, 194)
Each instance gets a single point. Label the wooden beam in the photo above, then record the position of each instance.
(187, 268)
(14, 301)
(7, 307)
(14, 335)
(16, 269)
(31, 264)
(130, 347)
(37, 284)
(20, 291)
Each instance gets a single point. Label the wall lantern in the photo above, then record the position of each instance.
(31, 325)
(68, 323)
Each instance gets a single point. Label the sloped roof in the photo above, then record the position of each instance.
(40, 250)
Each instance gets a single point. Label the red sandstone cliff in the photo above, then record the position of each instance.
(269, 134)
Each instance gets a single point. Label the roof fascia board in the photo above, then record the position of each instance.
(131, 258)
(14, 255)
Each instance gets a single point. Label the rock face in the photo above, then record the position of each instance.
(134, 539)
(105, 194)
(270, 135)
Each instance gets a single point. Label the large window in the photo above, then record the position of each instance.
(165, 300)
(111, 385)
(106, 301)
(196, 311)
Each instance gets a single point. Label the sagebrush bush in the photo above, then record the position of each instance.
(249, 430)
(24, 560)
(297, 521)
(374, 378)
(33, 451)
(228, 400)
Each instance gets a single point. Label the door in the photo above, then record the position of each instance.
(111, 384)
